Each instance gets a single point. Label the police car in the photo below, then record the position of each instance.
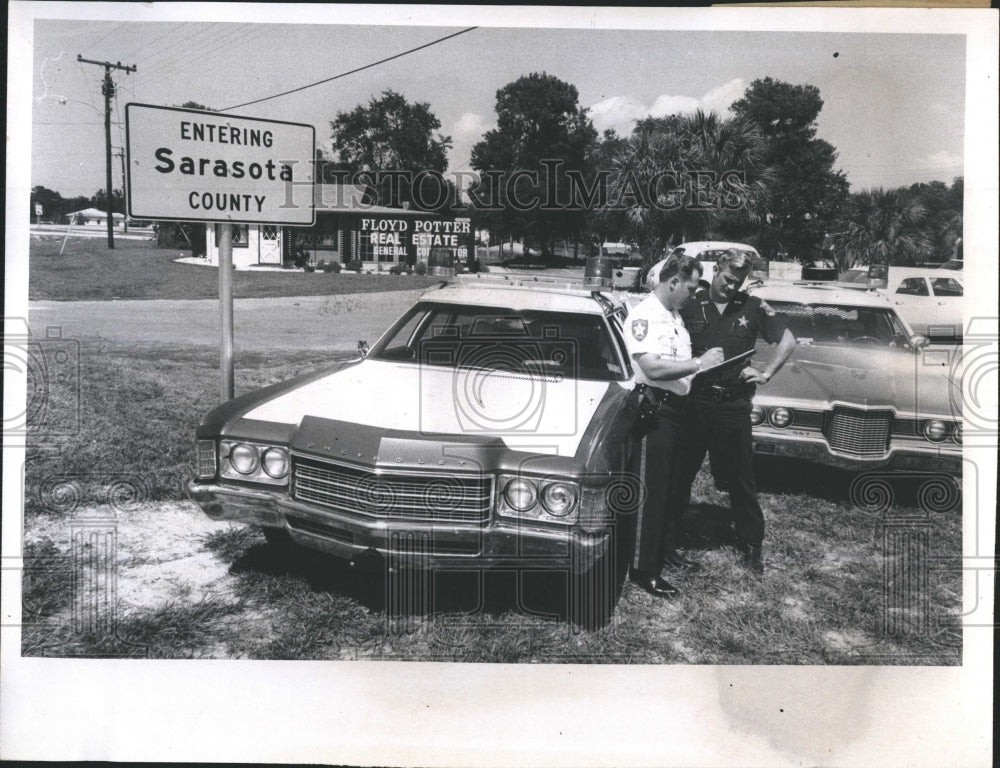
(860, 391)
(487, 428)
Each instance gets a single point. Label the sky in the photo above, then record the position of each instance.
(893, 102)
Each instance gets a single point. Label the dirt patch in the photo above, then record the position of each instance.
(156, 551)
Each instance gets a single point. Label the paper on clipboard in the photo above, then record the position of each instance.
(743, 356)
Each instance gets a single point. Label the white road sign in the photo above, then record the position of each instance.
(190, 165)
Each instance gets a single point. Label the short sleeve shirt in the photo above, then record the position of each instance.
(736, 329)
(652, 328)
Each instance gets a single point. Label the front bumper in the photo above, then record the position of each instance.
(429, 544)
(817, 451)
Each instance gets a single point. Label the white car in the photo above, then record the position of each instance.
(930, 300)
(931, 303)
(706, 251)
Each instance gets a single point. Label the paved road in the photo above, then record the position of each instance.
(310, 322)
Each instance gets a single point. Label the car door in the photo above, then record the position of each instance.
(948, 302)
(914, 302)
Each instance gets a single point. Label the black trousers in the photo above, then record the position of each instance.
(722, 429)
(657, 518)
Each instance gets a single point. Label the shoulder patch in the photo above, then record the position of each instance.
(640, 327)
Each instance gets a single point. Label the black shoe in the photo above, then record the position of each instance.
(752, 558)
(653, 584)
(676, 561)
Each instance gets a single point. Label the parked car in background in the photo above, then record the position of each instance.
(857, 392)
(930, 300)
(706, 251)
(954, 264)
(489, 427)
(931, 303)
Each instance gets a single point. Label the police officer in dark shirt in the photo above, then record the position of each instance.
(718, 416)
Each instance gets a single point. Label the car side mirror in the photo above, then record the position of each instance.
(918, 342)
(363, 348)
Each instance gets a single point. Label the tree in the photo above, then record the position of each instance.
(543, 140)
(391, 134)
(100, 201)
(882, 227)
(685, 177)
(807, 193)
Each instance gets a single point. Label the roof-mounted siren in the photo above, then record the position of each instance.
(598, 272)
(441, 262)
(878, 276)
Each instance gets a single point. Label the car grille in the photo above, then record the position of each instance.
(862, 433)
(391, 496)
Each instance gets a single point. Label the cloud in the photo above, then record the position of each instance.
(621, 112)
(465, 133)
(944, 160)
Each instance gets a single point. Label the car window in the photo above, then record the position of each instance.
(838, 324)
(565, 344)
(946, 286)
(913, 286)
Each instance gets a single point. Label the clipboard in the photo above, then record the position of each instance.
(742, 357)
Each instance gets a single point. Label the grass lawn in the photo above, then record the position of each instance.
(136, 269)
(832, 593)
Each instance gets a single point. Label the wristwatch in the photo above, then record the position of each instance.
(697, 361)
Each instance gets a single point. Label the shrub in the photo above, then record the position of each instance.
(331, 266)
(421, 268)
(309, 268)
(355, 265)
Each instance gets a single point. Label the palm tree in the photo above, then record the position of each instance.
(883, 227)
(681, 177)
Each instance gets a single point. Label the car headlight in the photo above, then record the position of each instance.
(780, 417)
(757, 415)
(957, 434)
(275, 462)
(559, 498)
(520, 494)
(935, 430)
(243, 457)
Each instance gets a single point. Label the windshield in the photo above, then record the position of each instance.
(530, 342)
(838, 324)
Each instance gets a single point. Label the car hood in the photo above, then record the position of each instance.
(920, 383)
(534, 413)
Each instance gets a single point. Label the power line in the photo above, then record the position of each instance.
(109, 34)
(351, 72)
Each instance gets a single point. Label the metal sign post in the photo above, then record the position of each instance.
(226, 305)
(194, 165)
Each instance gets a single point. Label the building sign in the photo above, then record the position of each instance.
(388, 239)
(190, 165)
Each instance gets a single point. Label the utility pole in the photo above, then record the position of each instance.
(108, 89)
(121, 154)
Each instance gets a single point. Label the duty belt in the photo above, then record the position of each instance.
(723, 394)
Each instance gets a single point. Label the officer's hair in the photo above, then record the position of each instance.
(682, 265)
(732, 258)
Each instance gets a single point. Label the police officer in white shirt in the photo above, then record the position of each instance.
(661, 347)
